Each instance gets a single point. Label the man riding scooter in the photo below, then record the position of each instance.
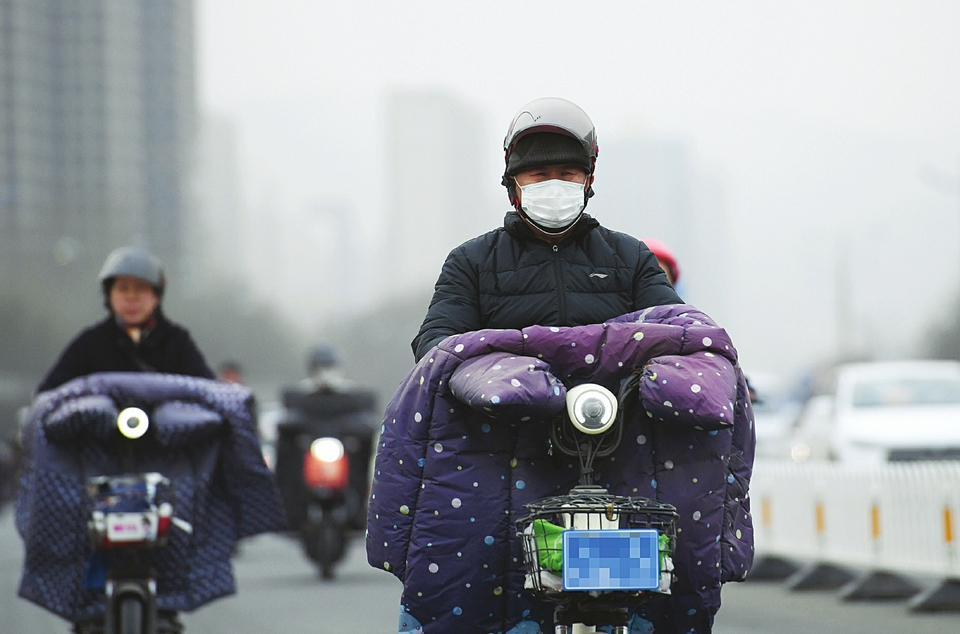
(324, 444)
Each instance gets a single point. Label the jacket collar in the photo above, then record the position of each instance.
(516, 227)
(155, 326)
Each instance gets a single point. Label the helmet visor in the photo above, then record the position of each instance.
(553, 114)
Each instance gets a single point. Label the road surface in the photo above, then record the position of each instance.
(280, 592)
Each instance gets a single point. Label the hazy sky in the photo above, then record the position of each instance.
(816, 116)
(872, 66)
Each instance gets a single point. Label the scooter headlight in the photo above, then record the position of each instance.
(327, 449)
(133, 422)
(326, 465)
(592, 408)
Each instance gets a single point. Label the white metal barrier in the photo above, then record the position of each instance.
(898, 517)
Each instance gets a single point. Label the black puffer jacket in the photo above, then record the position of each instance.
(105, 347)
(509, 278)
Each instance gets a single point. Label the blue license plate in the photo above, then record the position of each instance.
(622, 559)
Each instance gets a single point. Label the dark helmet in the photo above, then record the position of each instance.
(322, 357)
(549, 131)
(134, 262)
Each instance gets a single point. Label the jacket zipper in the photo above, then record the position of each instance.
(561, 295)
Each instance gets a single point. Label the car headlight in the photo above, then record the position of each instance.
(800, 452)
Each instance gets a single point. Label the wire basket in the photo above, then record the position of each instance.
(130, 510)
(592, 509)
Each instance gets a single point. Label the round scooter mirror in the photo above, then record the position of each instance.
(592, 408)
(133, 422)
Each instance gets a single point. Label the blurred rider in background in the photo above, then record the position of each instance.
(666, 259)
(325, 403)
(135, 336)
(323, 372)
(231, 372)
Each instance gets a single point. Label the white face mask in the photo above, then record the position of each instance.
(552, 204)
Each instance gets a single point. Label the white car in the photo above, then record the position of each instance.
(884, 411)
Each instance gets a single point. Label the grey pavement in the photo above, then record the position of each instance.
(279, 591)
(769, 607)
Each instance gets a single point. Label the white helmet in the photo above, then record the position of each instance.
(134, 262)
(553, 114)
(570, 139)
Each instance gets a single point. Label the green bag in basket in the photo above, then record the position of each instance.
(549, 545)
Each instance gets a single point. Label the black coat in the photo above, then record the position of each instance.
(509, 278)
(105, 347)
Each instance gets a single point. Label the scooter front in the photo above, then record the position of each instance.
(591, 552)
(326, 474)
(107, 545)
(132, 514)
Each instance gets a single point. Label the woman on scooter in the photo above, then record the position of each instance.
(572, 300)
(136, 336)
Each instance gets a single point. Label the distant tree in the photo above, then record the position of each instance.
(28, 339)
(28, 343)
(227, 324)
(375, 347)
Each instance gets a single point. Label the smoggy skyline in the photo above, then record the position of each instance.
(831, 130)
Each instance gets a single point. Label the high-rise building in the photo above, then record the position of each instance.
(214, 240)
(96, 129)
(650, 187)
(437, 190)
(645, 188)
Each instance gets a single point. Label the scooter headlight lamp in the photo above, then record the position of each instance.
(327, 449)
(592, 408)
(133, 422)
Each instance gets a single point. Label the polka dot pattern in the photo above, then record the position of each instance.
(677, 447)
(508, 386)
(81, 415)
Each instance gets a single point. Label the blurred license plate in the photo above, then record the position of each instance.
(622, 559)
(131, 527)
